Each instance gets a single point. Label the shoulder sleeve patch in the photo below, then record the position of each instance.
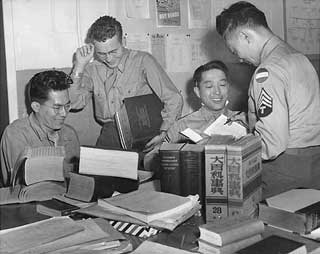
(262, 75)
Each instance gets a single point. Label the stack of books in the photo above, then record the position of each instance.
(153, 208)
(229, 235)
(296, 210)
(233, 177)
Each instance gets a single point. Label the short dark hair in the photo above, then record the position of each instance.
(239, 14)
(104, 28)
(215, 64)
(43, 82)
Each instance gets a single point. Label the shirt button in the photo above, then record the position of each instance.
(112, 102)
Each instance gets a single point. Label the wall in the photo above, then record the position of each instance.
(43, 34)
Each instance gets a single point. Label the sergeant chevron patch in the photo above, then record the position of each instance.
(262, 75)
(264, 104)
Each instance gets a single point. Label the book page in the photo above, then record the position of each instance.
(106, 162)
(218, 127)
(294, 200)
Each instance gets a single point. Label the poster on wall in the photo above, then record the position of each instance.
(137, 9)
(302, 29)
(199, 13)
(168, 13)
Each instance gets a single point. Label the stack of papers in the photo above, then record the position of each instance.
(62, 235)
(218, 127)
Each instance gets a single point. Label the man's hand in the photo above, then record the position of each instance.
(83, 56)
(157, 140)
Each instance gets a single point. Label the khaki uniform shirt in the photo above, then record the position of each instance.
(284, 100)
(27, 132)
(137, 74)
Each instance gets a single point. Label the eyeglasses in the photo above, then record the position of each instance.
(59, 108)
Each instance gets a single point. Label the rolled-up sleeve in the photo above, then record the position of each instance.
(81, 90)
(168, 93)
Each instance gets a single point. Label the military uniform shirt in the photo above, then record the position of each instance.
(284, 100)
(138, 73)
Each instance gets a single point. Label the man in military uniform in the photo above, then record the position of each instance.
(284, 99)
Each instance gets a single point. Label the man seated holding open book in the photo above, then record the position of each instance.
(44, 127)
(212, 87)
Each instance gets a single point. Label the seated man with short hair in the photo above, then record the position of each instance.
(212, 87)
(50, 104)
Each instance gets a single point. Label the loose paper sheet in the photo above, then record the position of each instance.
(218, 127)
(158, 48)
(198, 13)
(138, 41)
(138, 9)
(178, 53)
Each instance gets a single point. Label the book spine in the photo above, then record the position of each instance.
(244, 177)
(170, 180)
(205, 247)
(216, 182)
(192, 172)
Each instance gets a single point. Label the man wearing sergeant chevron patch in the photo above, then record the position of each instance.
(284, 99)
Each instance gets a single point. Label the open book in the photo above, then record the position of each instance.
(105, 162)
(218, 127)
(149, 206)
(37, 164)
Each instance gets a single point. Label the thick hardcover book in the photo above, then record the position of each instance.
(170, 177)
(55, 207)
(274, 245)
(139, 120)
(244, 167)
(297, 210)
(230, 229)
(192, 172)
(38, 164)
(209, 248)
(89, 188)
(216, 182)
(148, 206)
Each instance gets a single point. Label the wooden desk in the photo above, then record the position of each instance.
(184, 236)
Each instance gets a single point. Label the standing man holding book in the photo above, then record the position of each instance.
(50, 104)
(109, 72)
(284, 99)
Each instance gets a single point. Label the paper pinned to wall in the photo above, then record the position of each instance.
(88, 13)
(158, 48)
(198, 55)
(199, 13)
(303, 25)
(168, 13)
(178, 53)
(138, 41)
(138, 9)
